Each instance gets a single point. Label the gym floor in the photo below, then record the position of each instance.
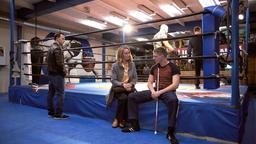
(22, 124)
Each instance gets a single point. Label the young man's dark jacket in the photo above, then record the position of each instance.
(195, 46)
(55, 60)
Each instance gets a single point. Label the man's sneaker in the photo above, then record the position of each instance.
(34, 87)
(60, 117)
(130, 129)
(51, 114)
(172, 138)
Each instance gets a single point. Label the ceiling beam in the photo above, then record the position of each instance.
(24, 3)
(46, 7)
(152, 31)
(172, 28)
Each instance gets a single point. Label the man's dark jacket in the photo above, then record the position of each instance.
(55, 60)
(195, 46)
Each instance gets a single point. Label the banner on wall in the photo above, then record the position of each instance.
(2, 56)
(27, 59)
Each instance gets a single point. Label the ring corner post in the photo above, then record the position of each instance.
(210, 23)
(235, 98)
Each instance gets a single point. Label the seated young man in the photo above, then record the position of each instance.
(169, 77)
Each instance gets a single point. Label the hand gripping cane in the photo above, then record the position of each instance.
(157, 89)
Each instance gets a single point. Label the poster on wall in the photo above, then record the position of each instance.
(2, 56)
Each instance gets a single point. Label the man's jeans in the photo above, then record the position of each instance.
(56, 87)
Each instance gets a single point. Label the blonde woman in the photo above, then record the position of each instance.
(123, 79)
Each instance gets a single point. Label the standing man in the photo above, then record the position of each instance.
(56, 74)
(37, 57)
(168, 75)
(195, 47)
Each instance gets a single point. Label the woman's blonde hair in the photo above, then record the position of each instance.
(120, 52)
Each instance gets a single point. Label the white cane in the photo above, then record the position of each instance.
(157, 89)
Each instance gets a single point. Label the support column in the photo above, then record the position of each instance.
(11, 53)
(246, 40)
(103, 64)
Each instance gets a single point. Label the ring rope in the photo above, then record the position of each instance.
(139, 42)
(213, 76)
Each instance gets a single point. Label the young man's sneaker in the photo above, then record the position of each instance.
(51, 114)
(60, 117)
(130, 129)
(172, 138)
(133, 128)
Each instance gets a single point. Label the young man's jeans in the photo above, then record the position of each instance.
(169, 99)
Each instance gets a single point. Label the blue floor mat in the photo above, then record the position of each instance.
(250, 127)
(20, 124)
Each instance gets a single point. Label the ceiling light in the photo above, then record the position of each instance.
(140, 16)
(93, 24)
(240, 16)
(228, 66)
(116, 20)
(207, 3)
(141, 39)
(171, 9)
(223, 1)
(172, 34)
(127, 28)
(177, 33)
(222, 28)
(182, 32)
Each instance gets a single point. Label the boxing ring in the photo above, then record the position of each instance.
(204, 113)
(216, 113)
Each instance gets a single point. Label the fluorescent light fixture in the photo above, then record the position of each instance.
(94, 24)
(222, 28)
(116, 20)
(177, 33)
(223, 1)
(141, 39)
(171, 9)
(172, 34)
(140, 16)
(207, 3)
(127, 28)
(228, 66)
(240, 16)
